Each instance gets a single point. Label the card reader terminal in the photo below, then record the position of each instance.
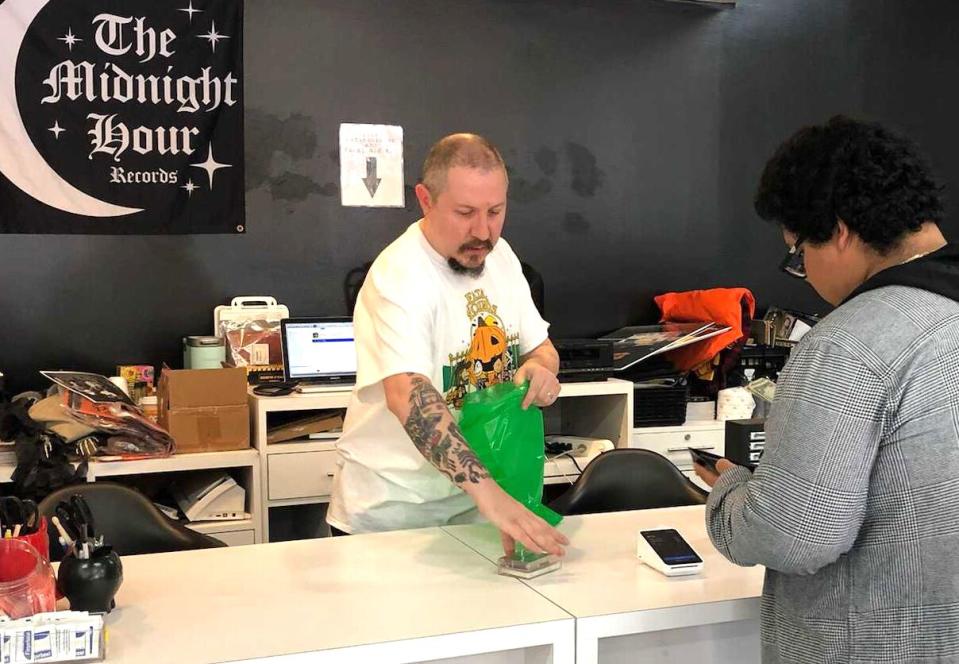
(665, 550)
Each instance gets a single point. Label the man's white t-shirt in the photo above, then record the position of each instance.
(415, 314)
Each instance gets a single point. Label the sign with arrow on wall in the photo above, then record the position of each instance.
(371, 165)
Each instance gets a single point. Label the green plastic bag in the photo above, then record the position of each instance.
(509, 442)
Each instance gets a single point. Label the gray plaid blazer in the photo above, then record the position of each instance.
(854, 509)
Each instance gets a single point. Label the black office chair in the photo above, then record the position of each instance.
(127, 520)
(628, 479)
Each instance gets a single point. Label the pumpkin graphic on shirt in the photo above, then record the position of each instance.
(488, 357)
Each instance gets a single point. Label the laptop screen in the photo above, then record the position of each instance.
(319, 348)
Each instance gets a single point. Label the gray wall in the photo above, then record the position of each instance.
(635, 132)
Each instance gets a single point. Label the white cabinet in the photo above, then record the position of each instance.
(297, 472)
(673, 442)
(300, 474)
(235, 537)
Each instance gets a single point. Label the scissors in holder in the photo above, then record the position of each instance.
(18, 516)
(84, 517)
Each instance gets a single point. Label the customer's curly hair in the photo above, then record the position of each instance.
(871, 178)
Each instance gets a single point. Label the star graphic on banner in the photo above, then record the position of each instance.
(190, 187)
(213, 36)
(191, 11)
(57, 130)
(69, 39)
(211, 165)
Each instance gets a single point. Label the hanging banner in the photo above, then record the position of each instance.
(121, 117)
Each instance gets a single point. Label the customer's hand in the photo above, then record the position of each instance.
(543, 384)
(515, 522)
(708, 476)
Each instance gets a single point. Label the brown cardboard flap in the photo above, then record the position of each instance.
(305, 426)
(213, 429)
(194, 388)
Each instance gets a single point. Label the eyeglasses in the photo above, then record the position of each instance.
(794, 264)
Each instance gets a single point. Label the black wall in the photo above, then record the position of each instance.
(635, 131)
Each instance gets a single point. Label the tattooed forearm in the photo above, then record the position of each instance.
(432, 429)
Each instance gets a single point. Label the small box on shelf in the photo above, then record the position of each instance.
(205, 410)
(322, 425)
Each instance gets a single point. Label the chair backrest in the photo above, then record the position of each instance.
(127, 520)
(628, 479)
(537, 288)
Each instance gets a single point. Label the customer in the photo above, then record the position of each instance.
(853, 507)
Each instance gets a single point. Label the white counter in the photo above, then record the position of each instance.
(393, 597)
(624, 610)
(433, 594)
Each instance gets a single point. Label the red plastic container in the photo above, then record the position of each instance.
(39, 540)
(27, 584)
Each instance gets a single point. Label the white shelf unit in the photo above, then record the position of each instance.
(298, 472)
(601, 409)
(234, 532)
(302, 472)
(177, 462)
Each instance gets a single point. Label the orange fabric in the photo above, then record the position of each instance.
(719, 305)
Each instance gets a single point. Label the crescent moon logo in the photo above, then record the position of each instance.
(20, 161)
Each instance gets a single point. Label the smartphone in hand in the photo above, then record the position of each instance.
(708, 459)
(704, 458)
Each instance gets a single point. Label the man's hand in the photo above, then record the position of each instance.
(431, 427)
(539, 367)
(543, 385)
(515, 522)
(710, 477)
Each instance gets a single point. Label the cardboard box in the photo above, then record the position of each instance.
(205, 410)
(303, 427)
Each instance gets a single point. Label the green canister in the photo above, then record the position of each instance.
(202, 352)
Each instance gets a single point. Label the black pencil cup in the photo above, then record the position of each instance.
(90, 584)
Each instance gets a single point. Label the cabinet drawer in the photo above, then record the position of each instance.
(300, 474)
(236, 537)
(673, 444)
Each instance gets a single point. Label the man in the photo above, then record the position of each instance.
(444, 311)
(852, 509)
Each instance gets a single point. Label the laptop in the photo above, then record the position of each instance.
(319, 354)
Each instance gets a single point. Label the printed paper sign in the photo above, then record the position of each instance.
(371, 165)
